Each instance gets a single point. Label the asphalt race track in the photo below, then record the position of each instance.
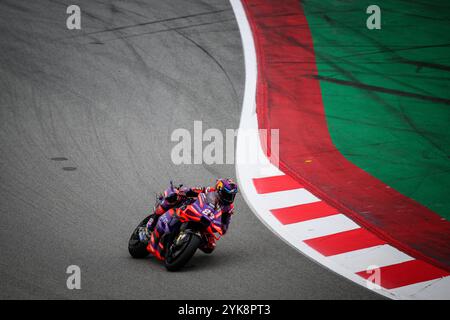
(86, 118)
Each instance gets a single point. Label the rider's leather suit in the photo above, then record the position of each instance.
(166, 219)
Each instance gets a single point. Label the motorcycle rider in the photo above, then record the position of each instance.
(221, 195)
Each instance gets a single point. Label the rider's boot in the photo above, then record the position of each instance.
(158, 212)
(152, 222)
(146, 231)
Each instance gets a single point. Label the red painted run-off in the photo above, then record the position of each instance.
(303, 212)
(406, 273)
(289, 99)
(344, 242)
(275, 184)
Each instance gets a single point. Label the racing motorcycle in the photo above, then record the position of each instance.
(199, 220)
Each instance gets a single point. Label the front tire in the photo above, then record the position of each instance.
(176, 260)
(136, 247)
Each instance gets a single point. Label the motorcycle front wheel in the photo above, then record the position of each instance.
(182, 250)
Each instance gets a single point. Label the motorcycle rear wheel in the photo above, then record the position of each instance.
(136, 247)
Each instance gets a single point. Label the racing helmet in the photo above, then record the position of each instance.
(226, 189)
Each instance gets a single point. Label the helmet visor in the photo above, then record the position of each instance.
(227, 196)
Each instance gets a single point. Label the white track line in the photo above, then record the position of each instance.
(358, 260)
(438, 289)
(286, 198)
(318, 227)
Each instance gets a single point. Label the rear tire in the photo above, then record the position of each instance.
(183, 257)
(136, 247)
